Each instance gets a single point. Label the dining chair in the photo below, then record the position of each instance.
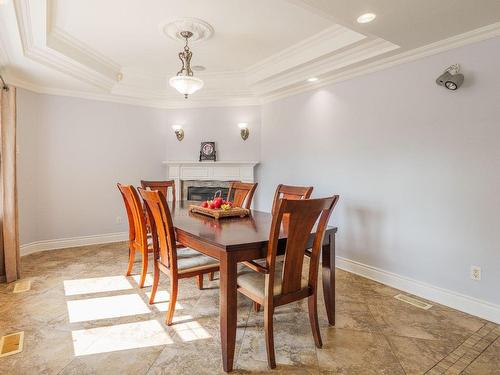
(138, 237)
(290, 192)
(274, 283)
(242, 193)
(176, 262)
(162, 186)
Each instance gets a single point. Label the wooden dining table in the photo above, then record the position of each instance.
(233, 240)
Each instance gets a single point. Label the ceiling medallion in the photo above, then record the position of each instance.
(200, 29)
(184, 81)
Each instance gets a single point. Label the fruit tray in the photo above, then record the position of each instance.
(220, 213)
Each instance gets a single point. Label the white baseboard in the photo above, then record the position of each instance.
(63, 243)
(467, 304)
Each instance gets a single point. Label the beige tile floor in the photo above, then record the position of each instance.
(82, 316)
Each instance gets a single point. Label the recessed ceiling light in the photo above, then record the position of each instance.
(312, 79)
(367, 17)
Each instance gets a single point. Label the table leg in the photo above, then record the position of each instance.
(328, 275)
(228, 309)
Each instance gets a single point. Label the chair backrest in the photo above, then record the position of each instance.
(290, 192)
(161, 223)
(301, 217)
(162, 186)
(243, 193)
(136, 219)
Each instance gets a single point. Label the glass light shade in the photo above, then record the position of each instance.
(186, 85)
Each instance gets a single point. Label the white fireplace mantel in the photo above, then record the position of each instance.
(209, 170)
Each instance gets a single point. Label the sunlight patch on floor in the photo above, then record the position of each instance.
(148, 281)
(106, 307)
(120, 337)
(189, 330)
(162, 299)
(96, 285)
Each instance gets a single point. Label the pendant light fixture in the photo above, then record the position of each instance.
(184, 81)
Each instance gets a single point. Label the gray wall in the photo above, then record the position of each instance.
(72, 152)
(416, 166)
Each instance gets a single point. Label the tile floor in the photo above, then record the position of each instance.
(82, 316)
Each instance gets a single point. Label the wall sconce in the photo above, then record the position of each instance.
(244, 132)
(179, 133)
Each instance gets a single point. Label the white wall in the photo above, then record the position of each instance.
(417, 167)
(72, 152)
(215, 124)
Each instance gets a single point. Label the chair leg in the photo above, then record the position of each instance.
(156, 279)
(312, 303)
(268, 327)
(256, 306)
(173, 300)
(131, 257)
(144, 269)
(211, 276)
(199, 281)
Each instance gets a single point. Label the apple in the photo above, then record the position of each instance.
(204, 204)
(212, 206)
(218, 202)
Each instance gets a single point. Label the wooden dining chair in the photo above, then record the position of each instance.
(274, 283)
(138, 238)
(177, 263)
(162, 186)
(242, 193)
(291, 192)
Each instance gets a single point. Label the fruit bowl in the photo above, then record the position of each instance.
(220, 212)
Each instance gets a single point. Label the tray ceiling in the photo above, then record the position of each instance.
(260, 50)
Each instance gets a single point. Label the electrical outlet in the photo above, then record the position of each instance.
(118, 220)
(475, 273)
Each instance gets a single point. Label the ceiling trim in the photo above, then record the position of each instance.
(66, 44)
(226, 101)
(32, 15)
(325, 67)
(473, 36)
(317, 46)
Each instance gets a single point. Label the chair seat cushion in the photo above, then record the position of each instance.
(254, 281)
(188, 258)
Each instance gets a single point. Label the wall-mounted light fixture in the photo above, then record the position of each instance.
(452, 79)
(179, 133)
(244, 132)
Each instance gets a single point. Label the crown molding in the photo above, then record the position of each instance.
(324, 67)
(162, 103)
(315, 47)
(66, 44)
(32, 15)
(473, 36)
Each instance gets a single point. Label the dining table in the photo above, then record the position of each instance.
(238, 239)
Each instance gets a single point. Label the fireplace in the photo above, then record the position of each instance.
(203, 193)
(213, 175)
(202, 190)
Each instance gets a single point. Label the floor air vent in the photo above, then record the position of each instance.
(11, 344)
(413, 301)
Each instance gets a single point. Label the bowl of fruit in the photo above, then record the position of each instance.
(217, 203)
(218, 208)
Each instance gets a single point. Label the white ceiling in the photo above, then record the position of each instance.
(260, 50)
